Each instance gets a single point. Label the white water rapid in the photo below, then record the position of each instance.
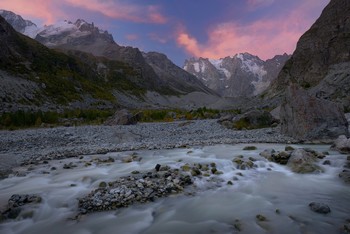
(270, 190)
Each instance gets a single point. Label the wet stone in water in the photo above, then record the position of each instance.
(319, 207)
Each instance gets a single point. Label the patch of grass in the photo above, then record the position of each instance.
(28, 119)
(243, 123)
(250, 147)
(169, 115)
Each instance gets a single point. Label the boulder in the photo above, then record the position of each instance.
(309, 118)
(18, 204)
(303, 161)
(253, 119)
(345, 176)
(342, 144)
(319, 207)
(123, 117)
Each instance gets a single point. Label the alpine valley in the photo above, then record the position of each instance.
(96, 137)
(135, 79)
(77, 65)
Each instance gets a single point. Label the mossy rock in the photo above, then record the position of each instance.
(205, 167)
(237, 161)
(289, 148)
(195, 172)
(250, 147)
(186, 167)
(261, 218)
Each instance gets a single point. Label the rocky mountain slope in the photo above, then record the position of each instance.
(86, 37)
(36, 77)
(321, 61)
(239, 75)
(314, 85)
(144, 78)
(26, 27)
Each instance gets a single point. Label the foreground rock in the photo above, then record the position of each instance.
(299, 160)
(139, 188)
(303, 161)
(308, 118)
(342, 144)
(345, 174)
(319, 207)
(18, 206)
(123, 117)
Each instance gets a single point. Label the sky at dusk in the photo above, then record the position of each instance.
(186, 28)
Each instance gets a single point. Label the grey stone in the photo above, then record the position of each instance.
(123, 117)
(342, 144)
(250, 120)
(308, 118)
(319, 207)
(345, 176)
(302, 161)
(267, 153)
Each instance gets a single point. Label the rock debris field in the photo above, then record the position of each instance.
(30, 145)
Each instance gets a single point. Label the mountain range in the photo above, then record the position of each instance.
(139, 79)
(236, 76)
(128, 77)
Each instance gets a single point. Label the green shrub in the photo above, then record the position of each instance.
(242, 124)
(26, 119)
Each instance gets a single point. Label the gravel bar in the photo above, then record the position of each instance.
(29, 145)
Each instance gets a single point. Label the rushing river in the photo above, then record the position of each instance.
(270, 190)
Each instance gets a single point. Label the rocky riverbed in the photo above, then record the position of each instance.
(224, 188)
(156, 177)
(35, 145)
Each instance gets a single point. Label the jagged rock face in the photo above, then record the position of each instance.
(308, 118)
(158, 74)
(6, 39)
(79, 35)
(335, 86)
(320, 50)
(18, 23)
(126, 68)
(239, 75)
(173, 75)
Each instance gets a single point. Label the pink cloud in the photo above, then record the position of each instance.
(265, 38)
(155, 16)
(118, 10)
(45, 10)
(50, 11)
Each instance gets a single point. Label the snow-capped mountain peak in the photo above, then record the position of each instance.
(62, 28)
(59, 33)
(242, 74)
(252, 64)
(26, 27)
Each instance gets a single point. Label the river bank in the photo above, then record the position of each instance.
(35, 145)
